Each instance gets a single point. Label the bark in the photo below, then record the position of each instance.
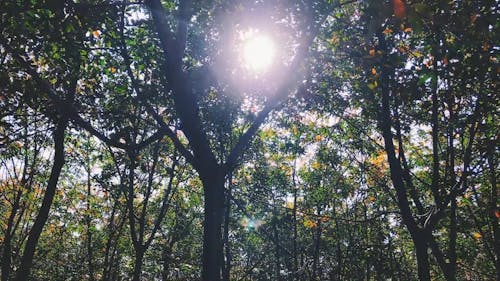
(166, 258)
(397, 175)
(139, 257)
(295, 230)
(7, 243)
(227, 247)
(317, 246)
(90, 252)
(43, 214)
(493, 206)
(277, 266)
(212, 178)
(422, 260)
(452, 252)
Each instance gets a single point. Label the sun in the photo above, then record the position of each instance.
(258, 52)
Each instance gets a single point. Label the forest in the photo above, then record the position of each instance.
(249, 140)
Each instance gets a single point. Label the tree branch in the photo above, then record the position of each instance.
(61, 106)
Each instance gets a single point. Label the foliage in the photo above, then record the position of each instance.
(368, 151)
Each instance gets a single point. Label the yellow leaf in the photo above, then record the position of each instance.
(318, 137)
(289, 204)
(416, 54)
(374, 71)
(96, 33)
(450, 39)
(372, 52)
(373, 85)
(316, 165)
(477, 235)
(335, 38)
(112, 69)
(309, 223)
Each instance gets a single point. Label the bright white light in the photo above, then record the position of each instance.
(258, 52)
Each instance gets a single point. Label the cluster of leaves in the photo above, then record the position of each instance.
(385, 147)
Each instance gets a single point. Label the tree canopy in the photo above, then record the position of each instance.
(249, 140)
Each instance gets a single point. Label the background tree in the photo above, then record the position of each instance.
(365, 151)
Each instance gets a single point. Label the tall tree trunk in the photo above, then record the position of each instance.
(493, 205)
(227, 265)
(397, 174)
(7, 243)
(295, 230)
(317, 246)
(277, 266)
(139, 257)
(43, 214)
(422, 259)
(166, 258)
(452, 251)
(212, 178)
(90, 251)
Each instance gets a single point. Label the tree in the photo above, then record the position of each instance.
(415, 77)
(178, 149)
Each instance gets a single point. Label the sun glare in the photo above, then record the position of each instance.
(258, 52)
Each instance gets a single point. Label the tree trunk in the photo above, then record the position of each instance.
(422, 260)
(90, 251)
(213, 186)
(397, 174)
(139, 257)
(295, 231)
(317, 245)
(43, 214)
(452, 266)
(227, 265)
(493, 209)
(165, 255)
(6, 256)
(9, 233)
(277, 266)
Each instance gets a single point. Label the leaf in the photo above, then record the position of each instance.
(372, 52)
(387, 31)
(372, 85)
(309, 223)
(96, 33)
(445, 60)
(399, 9)
(374, 71)
(416, 54)
(473, 18)
(316, 165)
(477, 235)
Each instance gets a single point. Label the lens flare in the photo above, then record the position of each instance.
(258, 52)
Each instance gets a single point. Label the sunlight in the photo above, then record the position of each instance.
(251, 223)
(258, 52)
